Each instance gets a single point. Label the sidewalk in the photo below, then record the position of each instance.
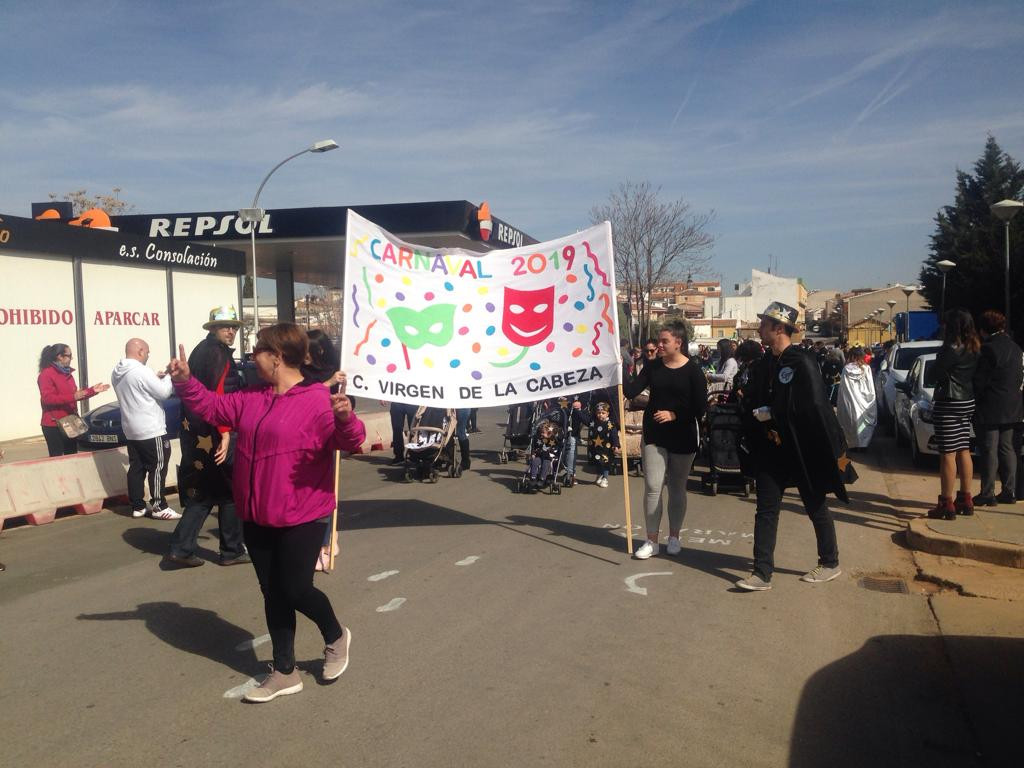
(991, 535)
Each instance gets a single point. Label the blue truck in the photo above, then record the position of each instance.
(923, 325)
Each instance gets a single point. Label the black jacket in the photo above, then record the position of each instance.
(811, 444)
(954, 373)
(207, 363)
(997, 382)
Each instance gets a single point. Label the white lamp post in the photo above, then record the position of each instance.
(891, 303)
(1005, 210)
(254, 215)
(944, 266)
(908, 291)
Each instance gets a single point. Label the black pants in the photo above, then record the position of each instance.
(284, 559)
(771, 483)
(147, 468)
(998, 454)
(185, 538)
(57, 444)
(402, 415)
(472, 420)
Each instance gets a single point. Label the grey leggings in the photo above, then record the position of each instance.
(656, 462)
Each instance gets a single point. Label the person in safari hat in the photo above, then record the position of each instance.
(204, 475)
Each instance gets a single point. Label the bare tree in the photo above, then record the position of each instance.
(655, 243)
(81, 201)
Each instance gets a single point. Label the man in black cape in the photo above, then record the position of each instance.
(794, 439)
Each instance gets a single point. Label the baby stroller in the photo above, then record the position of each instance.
(724, 426)
(430, 445)
(548, 446)
(518, 432)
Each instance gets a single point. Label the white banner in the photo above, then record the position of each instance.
(459, 329)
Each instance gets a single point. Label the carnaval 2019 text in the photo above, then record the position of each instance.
(536, 384)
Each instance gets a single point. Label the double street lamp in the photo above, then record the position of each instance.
(254, 215)
(1005, 210)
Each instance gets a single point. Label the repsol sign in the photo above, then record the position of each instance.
(202, 226)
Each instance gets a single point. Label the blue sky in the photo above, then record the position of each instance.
(826, 134)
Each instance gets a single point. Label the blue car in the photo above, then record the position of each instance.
(105, 425)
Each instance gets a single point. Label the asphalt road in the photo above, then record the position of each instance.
(489, 629)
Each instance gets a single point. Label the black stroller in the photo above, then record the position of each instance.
(548, 447)
(430, 445)
(518, 432)
(724, 428)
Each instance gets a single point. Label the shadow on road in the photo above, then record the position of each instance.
(360, 514)
(156, 541)
(914, 700)
(193, 630)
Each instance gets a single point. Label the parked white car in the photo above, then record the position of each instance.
(913, 407)
(893, 370)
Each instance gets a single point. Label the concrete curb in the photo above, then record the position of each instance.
(923, 538)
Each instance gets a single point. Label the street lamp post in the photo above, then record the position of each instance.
(254, 215)
(1005, 210)
(879, 311)
(944, 266)
(908, 291)
(891, 303)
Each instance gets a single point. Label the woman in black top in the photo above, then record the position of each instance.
(679, 395)
(953, 409)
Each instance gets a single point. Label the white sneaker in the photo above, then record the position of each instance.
(165, 513)
(137, 513)
(647, 550)
(674, 547)
(602, 481)
(821, 574)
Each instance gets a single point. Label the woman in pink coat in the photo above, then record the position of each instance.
(283, 483)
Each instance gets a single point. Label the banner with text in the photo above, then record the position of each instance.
(459, 329)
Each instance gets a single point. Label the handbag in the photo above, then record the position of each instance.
(72, 426)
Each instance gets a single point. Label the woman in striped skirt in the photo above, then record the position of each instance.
(953, 409)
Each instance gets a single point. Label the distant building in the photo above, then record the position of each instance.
(863, 323)
(752, 298)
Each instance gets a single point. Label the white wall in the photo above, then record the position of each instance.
(28, 283)
(194, 296)
(121, 303)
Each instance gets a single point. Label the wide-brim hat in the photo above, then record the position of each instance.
(782, 313)
(224, 315)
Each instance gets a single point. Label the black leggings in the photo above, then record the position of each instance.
(57, 443)
(284, 559)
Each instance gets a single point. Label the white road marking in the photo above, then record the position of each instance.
(468, 561)
(239, 691)
(252, 643)
(631, 581)
(394, 605)
(381, 576)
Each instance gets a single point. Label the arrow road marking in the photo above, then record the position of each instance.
(381, 576)
(394, 605)
(245, 645)
(631, 581)
(468, 561)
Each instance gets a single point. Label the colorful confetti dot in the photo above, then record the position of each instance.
(467, 307)
(477, 375)
(502, 351)
(392, 367)
(563, 298)
(455, 363)
(577, 352)
(371, 359)
(406, 280)
(385, 342)
(581, 328)
(379, 278)
(489, 307)
(550, 346)
(476, 346)
(490, 330)
(463, 330)
(567, 327)
(579, 305)
(534, 366)
(429, 295)
(382, 302)
(449, 287)
(570, 278)
(400, 296)
(428, 362)
(482, 290)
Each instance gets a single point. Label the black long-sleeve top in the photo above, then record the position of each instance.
(684, 391)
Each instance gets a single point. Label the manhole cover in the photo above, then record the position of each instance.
(884, 584)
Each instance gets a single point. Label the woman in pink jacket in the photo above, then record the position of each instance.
(58, 394)
(283, 482)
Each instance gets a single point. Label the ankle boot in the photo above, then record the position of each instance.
(964, 504)
(944, 510)
(464, 453)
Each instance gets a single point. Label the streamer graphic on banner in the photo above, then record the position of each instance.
(457, 328)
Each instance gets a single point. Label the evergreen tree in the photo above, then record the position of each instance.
(969, 235)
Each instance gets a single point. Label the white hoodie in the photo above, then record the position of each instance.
(139, 391)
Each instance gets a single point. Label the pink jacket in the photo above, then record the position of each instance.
(284, 454)
(57, 395)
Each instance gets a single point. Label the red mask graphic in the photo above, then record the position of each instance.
(529, 316)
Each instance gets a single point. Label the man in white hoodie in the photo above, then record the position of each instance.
(140, 392)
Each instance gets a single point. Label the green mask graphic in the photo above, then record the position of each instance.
(433, 325)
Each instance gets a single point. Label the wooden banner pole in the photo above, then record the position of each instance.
(625, 470)
(334, 514)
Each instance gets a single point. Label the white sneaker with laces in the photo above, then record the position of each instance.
(647, 550)
(165, 513)
(674, 547)
(821, 574)
(137, 513)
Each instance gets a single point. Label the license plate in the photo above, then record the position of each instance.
(102, 438)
